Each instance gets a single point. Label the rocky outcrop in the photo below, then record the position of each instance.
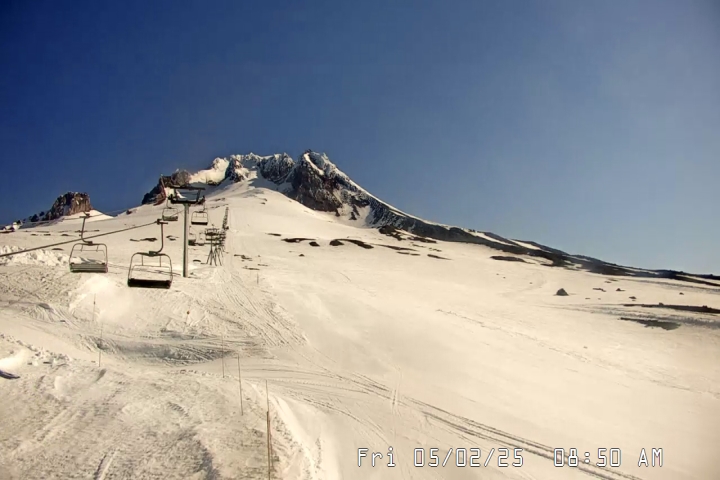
(235, 170)
(276, 168)
(67, 204)
(179, 178)
(158, 194)
(310, 186)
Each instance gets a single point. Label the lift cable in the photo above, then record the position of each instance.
(74, 240)
(58, 220)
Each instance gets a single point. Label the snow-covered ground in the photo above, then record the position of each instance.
(360, 347)
(527, 245)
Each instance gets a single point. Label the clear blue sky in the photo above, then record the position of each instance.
(590, 126)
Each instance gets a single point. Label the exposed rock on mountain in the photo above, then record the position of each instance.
(275, 168)
(67, 204)
(158, 193)
(235, 170)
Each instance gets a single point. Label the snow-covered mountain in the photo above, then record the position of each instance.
(347, 334)
(316, 182)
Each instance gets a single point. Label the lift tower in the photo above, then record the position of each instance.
(186, 196)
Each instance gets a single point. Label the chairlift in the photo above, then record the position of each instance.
(192, 239)
(199, 217)
(150, 271)
(88, 256)
(170, 214)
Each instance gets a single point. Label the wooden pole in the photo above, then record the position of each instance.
(186, 231)
(240, 384)
(268, 444)
(270, 462)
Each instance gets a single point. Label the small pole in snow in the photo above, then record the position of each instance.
(269, 449)
(267, 395)
(186, 231)
(268, 445)
(240, 384)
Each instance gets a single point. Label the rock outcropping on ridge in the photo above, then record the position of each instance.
(69, 203)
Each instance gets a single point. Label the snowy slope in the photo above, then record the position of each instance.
(406, 344)
(316, 182)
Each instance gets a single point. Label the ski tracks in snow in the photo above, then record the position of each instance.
(104, 466)
(355, 398)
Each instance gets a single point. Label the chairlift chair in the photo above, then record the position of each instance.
(199, 218)
(192, 239)
(88, 256)
(170, 214)
(150, 271)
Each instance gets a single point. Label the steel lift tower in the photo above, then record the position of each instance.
(186, 196)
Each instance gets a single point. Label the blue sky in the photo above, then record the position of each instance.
(589, 126)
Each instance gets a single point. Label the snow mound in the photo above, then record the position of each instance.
(36, 257)
(95, 215)
(215, 174)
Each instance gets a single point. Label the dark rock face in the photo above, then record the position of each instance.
(67, 204)
(507, 258)
(235, 171)
(276, 168)
(157, 194)
(313, 190)
(561, 293)
(180, 178)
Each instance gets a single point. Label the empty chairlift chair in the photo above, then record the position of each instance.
(88, 256)
(199, 218)
(151, 269)
(170, 214)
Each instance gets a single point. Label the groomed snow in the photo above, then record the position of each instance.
(95, 216)
(360, 348)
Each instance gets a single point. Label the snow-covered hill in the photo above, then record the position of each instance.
(367, 338)
(316, 182)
